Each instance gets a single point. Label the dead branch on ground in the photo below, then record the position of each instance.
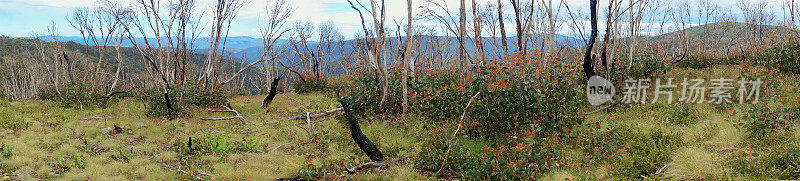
(227, 109)
(381, 164)
(336, 111)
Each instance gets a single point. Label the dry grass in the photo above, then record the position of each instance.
(46, 149)
(694, 163)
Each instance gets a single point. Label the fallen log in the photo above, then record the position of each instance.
(227, 109)
(382, 164)
(319, 115)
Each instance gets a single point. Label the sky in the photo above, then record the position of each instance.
(19, 18)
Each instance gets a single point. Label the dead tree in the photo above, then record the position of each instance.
(502, 26)
(379, 46)
(588, 63)
(224, 12)
(518, 20)
(273, 90)
(476, 20)
(407, 59)
(355, 131)
(462, 32)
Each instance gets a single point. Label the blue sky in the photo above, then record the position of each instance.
(21, 17)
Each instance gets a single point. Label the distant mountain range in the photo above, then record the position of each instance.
(252, 48)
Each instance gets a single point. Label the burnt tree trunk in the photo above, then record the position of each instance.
(355, 131)
(273, 91)
(588, 63)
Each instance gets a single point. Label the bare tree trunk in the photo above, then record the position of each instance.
(502, 26)
(119, 67)
(791, 15)
(520, 42)
(462, 32)
(379, 50)
(478, 38)
(407, 61)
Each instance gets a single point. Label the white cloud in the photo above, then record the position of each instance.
(62, 3)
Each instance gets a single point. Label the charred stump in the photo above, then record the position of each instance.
(355, 131)
(273, 91)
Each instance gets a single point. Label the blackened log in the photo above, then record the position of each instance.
(355, 131)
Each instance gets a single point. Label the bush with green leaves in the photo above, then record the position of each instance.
(762, 119)
(215, 144)
(682, 114)
(697, 62)
(646, 64)
(527, 158)
(783, 56)
(316, 149)
(600, 144)
(6, 150)
(645, 153)
(781, 162)
(13, 123)
(365, 91)
(310, 83)
(182, 98)
(75, 96)
(516, 93)
(438, 152)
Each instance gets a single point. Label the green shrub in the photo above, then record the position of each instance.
(682, 114)
(434, 153)
(79, 160)
(75, 96)
(780, 163)
(761, 119)
(442, 94)
(157, 104)
(215, 144)
(782, 56)
(645, 153)
(182, 97)
(218, 144)
(312, 83)
(6, 150)
(252, 143)
(13, 123)
(315, 150)
(646, 64)
(365, 94)
(515, 93)
(697, 62)
(525, 159)
(600, 145)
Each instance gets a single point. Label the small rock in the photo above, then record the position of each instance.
(107, 130)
